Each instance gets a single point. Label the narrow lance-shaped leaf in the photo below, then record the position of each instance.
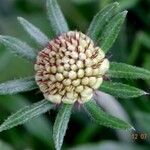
(19, 85)
(61, 124)
(100, 20)
(35, 33)
(26, 114)
(18, 47)
(42, 131)
(121, 70)
(111, 31)
(57, 21)
(103, 118)
(109, 103)
(121, 90)
(141, 39)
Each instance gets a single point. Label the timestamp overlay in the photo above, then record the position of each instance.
(139, 136)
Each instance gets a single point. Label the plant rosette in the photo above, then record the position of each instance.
(70, 68)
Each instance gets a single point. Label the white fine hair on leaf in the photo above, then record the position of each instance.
(112, 106)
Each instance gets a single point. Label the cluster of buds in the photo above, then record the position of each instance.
(70, 68)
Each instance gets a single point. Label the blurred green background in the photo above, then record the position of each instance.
(132, 46)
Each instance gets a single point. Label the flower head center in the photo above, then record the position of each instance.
(70, 68)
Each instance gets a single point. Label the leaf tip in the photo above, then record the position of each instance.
(19, 18)
(125, 13)
(132, 128)
(1, 36)
(116, 4)
(58, 148)
(146, 93)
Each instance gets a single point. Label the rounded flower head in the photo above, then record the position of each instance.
(70, 68)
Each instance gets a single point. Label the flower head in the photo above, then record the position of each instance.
(70, 68)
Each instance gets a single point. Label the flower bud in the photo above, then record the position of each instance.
(70, 68)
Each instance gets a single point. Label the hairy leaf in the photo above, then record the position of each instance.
(111, 31)
(35, 33)
(57, 21)
(26, 114)
(121, 90)
(42, 131)
(111, 105)
(60, 125)
(121, 70)
(103, 118)
(18, 47)
(16, 86)
(100, 20)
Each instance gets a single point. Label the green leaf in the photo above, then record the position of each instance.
(42, 131)
(100, 20)
(121, 70)
(18, 47)
(19, 85)
(35, 33)
(111, 31)
(57, 21)
(142, 38)
(105, 119)
(121, 90)
(109, 103)
(113, 107)
(60, 125)
(26, 114)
